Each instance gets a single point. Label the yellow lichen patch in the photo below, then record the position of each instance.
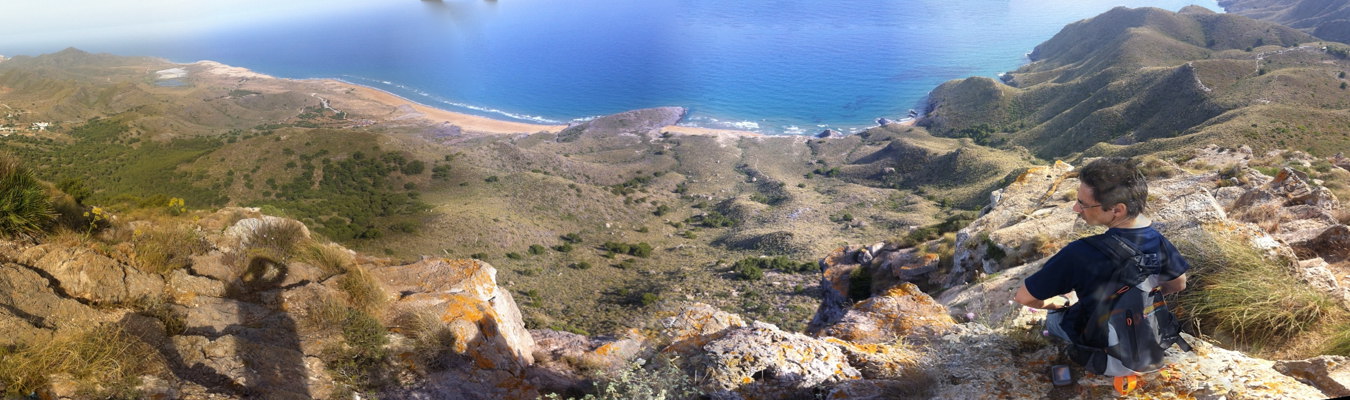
(747, 380)
(605, 349)
(1022, 179)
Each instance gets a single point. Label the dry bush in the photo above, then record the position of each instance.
(1266, 216)
(103, 362)
(431, 337)
(160, 249)
(1155, 168)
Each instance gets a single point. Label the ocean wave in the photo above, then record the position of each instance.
(442, 101)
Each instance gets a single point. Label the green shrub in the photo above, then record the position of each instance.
(580, 265)
(25, 208)
(537, 250)
(639, 381)
(359, 362)
(748, 271)
(514, 256)
(860, 284)
(563, 248)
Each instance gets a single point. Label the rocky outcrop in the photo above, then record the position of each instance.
(762, 361)
(899, 312)
(1330, 374)
(640, 123)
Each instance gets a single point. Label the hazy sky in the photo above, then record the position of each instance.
(37, 22)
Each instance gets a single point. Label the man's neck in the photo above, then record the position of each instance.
(1138, 221)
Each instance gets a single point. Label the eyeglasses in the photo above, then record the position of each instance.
(1083, 205)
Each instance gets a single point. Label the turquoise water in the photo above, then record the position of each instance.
(765, 65)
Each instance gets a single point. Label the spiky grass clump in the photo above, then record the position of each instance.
(329, 257)
(25, 208)
(163, 248)
(1339, 343)
(363, 292)
(1238, 292)
(276, 238)
(104, 362)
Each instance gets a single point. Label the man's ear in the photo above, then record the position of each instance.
(1121, 209)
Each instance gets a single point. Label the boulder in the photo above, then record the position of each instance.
(32, 309)
(83, 274)
(1037, 196)
(901, 311)
(1186, 210)
(835, 270)
(906, 265)
(974, 359)
(828, 134)
(698, 320)
(761, 361)
(466, 294)
(1330, 374)
(1333, 244)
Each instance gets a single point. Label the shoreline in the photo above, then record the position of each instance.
(435, 115)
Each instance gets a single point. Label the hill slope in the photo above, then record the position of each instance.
(1326, 19)
(1136, 81)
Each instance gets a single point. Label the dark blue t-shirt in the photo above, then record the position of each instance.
(1082, 268)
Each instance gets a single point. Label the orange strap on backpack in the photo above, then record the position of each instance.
(1126, 384)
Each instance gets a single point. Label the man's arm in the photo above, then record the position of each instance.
(1172, 286)
(1023, 296)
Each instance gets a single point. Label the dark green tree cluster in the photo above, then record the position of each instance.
(752, 268)
(638, 250)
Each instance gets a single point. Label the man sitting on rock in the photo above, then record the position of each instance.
(1112, 193)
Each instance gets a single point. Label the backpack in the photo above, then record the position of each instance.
(1127, 327)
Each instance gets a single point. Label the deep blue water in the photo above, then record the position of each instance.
(767, 65)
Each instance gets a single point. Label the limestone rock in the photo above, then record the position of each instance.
(183, 287)
(902, 311)
(906, 265)
(836, 268)
(974, 358)
(698, 320)
(881, 360)
(465, 292)
(34, 310)
(1333, 244)
(92, 277)
(254, 232)
(1330, 374)
(761, 361)
(1186, 211)
(1033, 205)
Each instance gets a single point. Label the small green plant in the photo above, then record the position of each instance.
(515, 256)
(25, 208)
(491, 179)
(580, 265)
(563, 248)
(359, 362)
(537, 249)
(661, 381)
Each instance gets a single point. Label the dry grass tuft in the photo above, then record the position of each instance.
(363, 292)
(1266, 216)
(103, 362)
(1237, 292)
(160, 249)
(329, 257)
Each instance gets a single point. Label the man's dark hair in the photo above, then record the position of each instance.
(1116, 180)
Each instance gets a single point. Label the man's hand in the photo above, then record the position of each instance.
(1053, 303)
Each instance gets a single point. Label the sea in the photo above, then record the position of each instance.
(769, 66)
